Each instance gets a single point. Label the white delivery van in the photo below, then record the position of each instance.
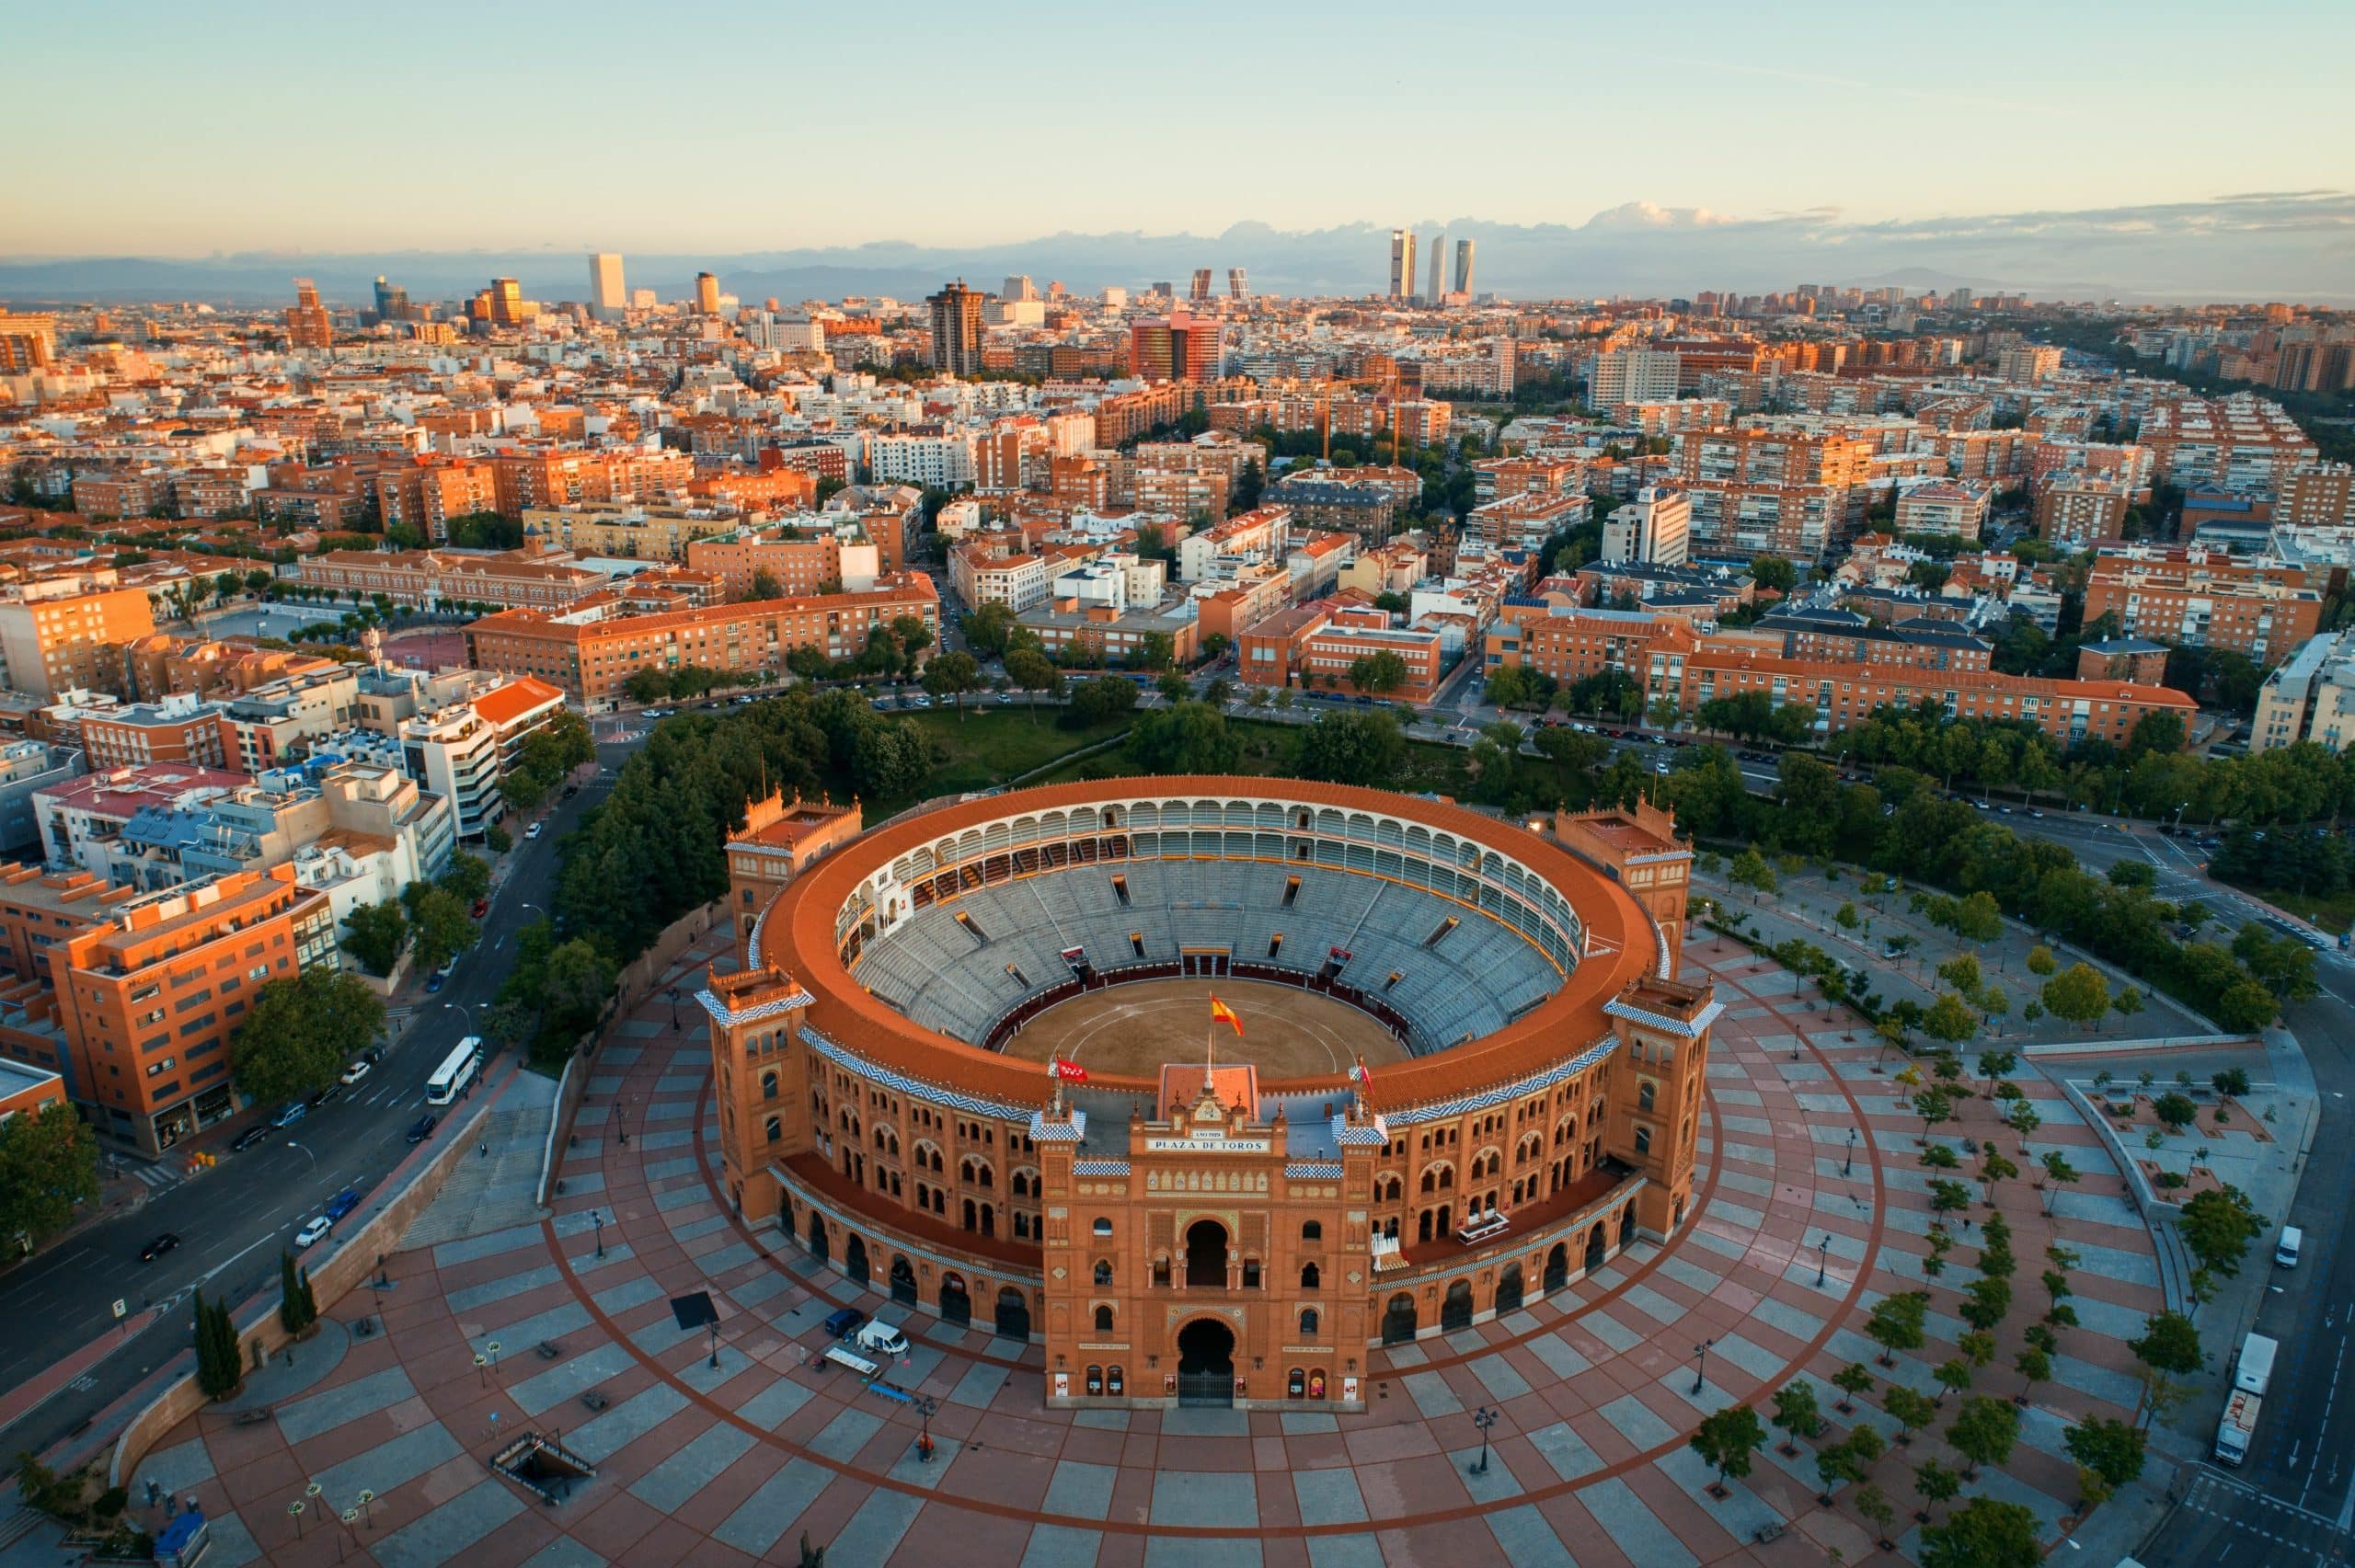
(2285, 1251)
(2238, 1426)
(880, 1338)
(2253, 1368)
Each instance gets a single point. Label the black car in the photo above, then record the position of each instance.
(158, 1247)
(571, 790)
(247, 1139)
(422, 1128)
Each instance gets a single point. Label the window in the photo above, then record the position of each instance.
(1647, 1092)
(1103, 1226)
(1308, 1323)
(1103, 1271)
(1103, 1320)
(1312, 1231)
(1309, 1278)
(1643, 1140)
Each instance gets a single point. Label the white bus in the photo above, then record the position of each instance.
(455, 1072)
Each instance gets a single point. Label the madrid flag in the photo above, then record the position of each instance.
(1068, 1070)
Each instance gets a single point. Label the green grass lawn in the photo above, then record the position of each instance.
(990, 746)
(1269, 750)
(2336, 912)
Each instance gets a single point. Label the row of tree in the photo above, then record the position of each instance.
(433, 919)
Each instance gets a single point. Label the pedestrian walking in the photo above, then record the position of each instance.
(482, 1149)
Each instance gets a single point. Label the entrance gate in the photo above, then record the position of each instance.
(1206, 1364)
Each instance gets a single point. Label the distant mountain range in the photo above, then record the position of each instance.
(2261, 245)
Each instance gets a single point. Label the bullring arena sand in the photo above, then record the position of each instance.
(1132, 1029)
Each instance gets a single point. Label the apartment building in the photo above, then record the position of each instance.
(2078, 512)
(632, 530)
(284, 718)
(1797, 494)
(1335, 497)
(65, 634)
(589, 651)
(993, 572)
(1523, 521)
(2194, 597)
(1655, 527)
(2241, 442)
(1957, 507)
(179, 728)
(28, 767)
(1632, 375)
(1093, 630)
(428, 492)
(803, 555)
(1314, 646)
(2309, 696)
(1263, 533)
(2316, 494)
(1496, 476)
(134, 998)
(1843, 695)
(508, 578)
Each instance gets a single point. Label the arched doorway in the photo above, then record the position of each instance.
(1399, 1320)
(1455, 1312)
(1558, 1269)
(1627, 1225)
(903, 1282)
(1206, 1363)
(855, 1258)
(1508, 1287)
(955, 1305)
(1013, 1314)
(817, 1247)
(1595, 1249)
(1206, 1255)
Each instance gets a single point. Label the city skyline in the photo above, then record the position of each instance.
(1850, 166)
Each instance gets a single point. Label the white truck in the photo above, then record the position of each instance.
(2253, 1368)
(2234, 1432)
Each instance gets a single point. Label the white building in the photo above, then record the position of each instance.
(1631, 376)
(1655, 527)
(939, 463)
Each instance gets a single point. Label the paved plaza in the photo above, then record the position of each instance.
(1594, 1384)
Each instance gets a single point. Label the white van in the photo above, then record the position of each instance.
(2285, 1251)
(877, 1337)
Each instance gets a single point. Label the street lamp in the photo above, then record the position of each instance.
(295, 1510)
(464, 1007)
(304, 1152)
(1701, 1363)
(493, 1348)
(482, 1374)
(714, 1326)
(925, 1405)
(1849, 1164)
(1823, 1257)
(366, 1498)
(1483, 1418)
(675, 1007)
(599, 1221)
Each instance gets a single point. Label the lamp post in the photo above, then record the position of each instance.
(1823, 1257)
(598, 1219)
(344, 1543)
(675, 1007)
(621, 1118)
(925, 1405)
(1700, 1364)
(295, 1511)
(366, 1498)
(493, 1348)
(1849, 1164)
(714, 1326)
(482, 1371)
(1483, 1418)
(304, 1152)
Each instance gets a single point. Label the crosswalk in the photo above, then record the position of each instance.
(2293, 1534)
(157, 1177)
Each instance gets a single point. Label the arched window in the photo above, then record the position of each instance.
(1309, 1278)
(773, 1128)
(1312, 1231)
(1113, 1382)
(1646, 1093)
(768, 1084)
(1095, 1379)
(1103, 1320)
(1308, 1323)
(1103, 1226)
(1103, 1271)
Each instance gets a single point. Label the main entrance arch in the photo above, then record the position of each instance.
(855, 1258)
(1206, 1363)
(955, 1304)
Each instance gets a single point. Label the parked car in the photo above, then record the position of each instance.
(437, 979)
(247, 1139)
(534, 830)
(158, 1247)
(482, 908)
(422, 1128)
(843, 1320)
(318, 1097)
(313, 1229)
(342, 1203)
(289, 1114)
(570, 790)
(355, 1073)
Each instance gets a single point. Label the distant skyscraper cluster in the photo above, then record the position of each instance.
(1405, 246)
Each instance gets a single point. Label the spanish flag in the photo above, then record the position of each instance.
(1221, 1013)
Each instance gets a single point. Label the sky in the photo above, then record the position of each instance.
(181, 131)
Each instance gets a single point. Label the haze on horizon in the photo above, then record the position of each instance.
(734, 129)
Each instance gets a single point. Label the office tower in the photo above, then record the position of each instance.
(1402, 263)
(1116, 297)
(502, 304)
(1439, 269)
(1463, 268)
(309, 325)
(606, 296)
(643, 299)
(27, 342)
(1166, 288)
(1201, 285)
(1018, 287)
(706, 294)
(1177, 347)
(392, 301)
(1238, 283)
(956, 330)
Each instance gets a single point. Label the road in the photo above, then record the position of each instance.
(232, 1219)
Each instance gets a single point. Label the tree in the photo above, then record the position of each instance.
(219, 1368)
(1378, 674)
(1101, 699)
(1774, 574)
(1353, 749)
(1953, 1376)
(2176, 1110)
(2059, 1172)
(764, 585)
(1796, 1414)
(1156, 650)
(2034, 1365)
(1984, 1431)
(49, 1164)
(2231, 1080)
(2040, 961)
(2110, 1448)
(1726, 1441)
(2078, 994)
(467, 877)
(375, 934)
(2170, 1343)
(296, 1309)
(2217, 1226)
(1035, 674)
(1896, 1322)
(302, 1032)
(1836, 1464)
(1853, 1381)
(1910, 1408)
(986, 630)
(1987, 1302)
(1949, 1022)
(1993, 1168)
(1873, 1505)
(912, 636)
(2127, 1003)
(1983, 1533)
(1191, 737)
(443, 926)
(952, 675)
(1174, 687)
(1935, 1483)
(1750, 870)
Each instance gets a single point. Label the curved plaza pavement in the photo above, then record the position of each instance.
(1594, 1384)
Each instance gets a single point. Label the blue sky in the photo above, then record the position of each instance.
(182, 129)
